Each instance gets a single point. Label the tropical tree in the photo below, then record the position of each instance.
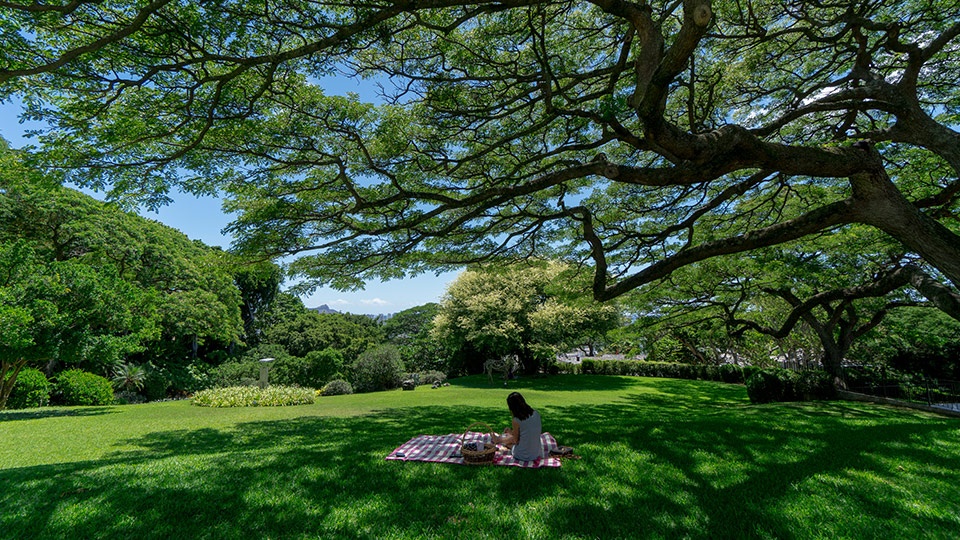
(259, 284)
(66, 312)
(410, 331)
(836, 287)
(300, 330)
(532, 311)
(633, 137)
(94, 286)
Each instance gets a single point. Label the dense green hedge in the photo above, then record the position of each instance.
(639, 368)
(775, 384)
(763, 385)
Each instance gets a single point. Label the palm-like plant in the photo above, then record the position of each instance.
(129, 377)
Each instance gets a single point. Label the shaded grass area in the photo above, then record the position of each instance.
(661, 459)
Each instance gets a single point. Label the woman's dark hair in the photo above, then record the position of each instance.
(518, 406)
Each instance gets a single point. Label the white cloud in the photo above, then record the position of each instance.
(375, 302)
(339, 302)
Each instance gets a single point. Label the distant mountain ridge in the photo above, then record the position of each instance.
(324, 308)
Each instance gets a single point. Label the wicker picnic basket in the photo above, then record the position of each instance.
(476, 456)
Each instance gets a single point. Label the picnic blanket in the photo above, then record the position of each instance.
(446, 449)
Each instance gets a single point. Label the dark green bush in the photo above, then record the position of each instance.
(815, 384)
(76, 387)
(235, 373)
(129, 397)
(731, 373)
(377, 369)
(337, 387)
(772, 384)
(32, 389)
(589, 366)
(879, 380)
(188, 378)
(569, 368)
(764, 387)
(156, 383)
(311, 371)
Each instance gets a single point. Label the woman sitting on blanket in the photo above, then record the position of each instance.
(523, 438)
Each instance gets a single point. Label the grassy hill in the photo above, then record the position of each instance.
(661, 459)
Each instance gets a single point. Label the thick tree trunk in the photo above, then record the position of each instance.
(8, 378)
(879, 203)
(835, 346)
(832, 360)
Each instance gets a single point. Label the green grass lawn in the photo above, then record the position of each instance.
(662, 458)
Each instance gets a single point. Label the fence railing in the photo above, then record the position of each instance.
(927, 390)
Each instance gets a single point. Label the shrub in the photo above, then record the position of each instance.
(589, 366)
(337, 387)
(879, 380)
(728, 373)
(251, 396)
(769, 385)
(189, 378)
(156, 383)
(313, 371)
(76, 387)
(127, 397)
(569, 368)
(815, 384)
(432, 376)
(32, 389)
(731, 373)
(129, 378)
(235, 373)
(379, 368)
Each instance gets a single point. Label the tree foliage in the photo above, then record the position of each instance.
(85, 284)
(635, 137)
(259, 285)
(411, 332)
(832, 288)
(186, 288)
(300, 330)
(533, 311)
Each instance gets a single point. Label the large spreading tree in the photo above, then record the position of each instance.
(634, 137)
(531, 310)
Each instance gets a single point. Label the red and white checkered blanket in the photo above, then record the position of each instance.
(446, 449)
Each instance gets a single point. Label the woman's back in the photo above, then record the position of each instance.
(528, 448)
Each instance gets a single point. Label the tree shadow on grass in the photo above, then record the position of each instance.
(654, 466)
(43, 412)
(777, 471)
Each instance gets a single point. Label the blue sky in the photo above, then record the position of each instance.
(203, 219)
